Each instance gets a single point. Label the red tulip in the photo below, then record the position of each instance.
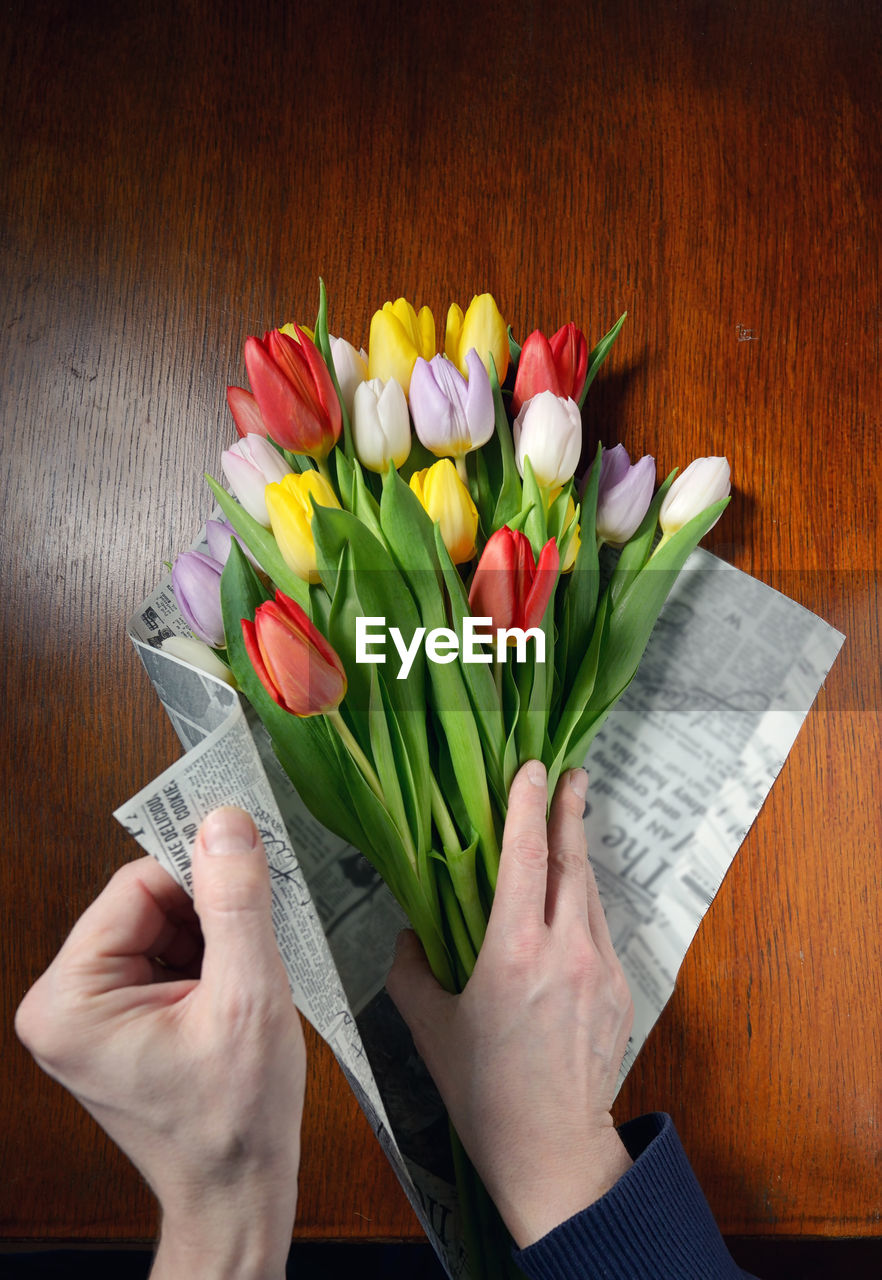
(509, 586)
(293, 660)
(246, 414)
(558, 364)
(294, 392)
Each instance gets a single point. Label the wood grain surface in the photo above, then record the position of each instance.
(175, 176)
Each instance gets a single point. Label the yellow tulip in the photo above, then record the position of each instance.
(450, 505)
(291, 329)
(482, 328)
(290, 507)
(398, 335)
(573, 549)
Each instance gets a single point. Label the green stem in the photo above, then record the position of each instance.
(498, 669)
(472, 1221)
(463, 951)
(424, 916)
(460, 864)
(443, 821)
(357, 754)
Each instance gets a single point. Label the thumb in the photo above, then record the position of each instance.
(232, 897)
(418, 996)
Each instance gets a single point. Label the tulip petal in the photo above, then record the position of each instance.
(245, 411)
(255, 657)
(542, 586)
(614, 466)
(503, 579)
(322, 385)
(479, 408)
(484, 329)
(453, 332)
(623, 502)
(196, 584)
(704, 482)
(569, 349)
(433, 416)
(536, 371)
(293, 660)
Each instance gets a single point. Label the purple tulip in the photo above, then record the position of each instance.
(219, 534)
(451, 416)
(623, 494)
(196, 584)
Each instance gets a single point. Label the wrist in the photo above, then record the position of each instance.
(552, 1197)
(230, 1245)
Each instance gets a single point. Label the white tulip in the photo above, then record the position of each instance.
(351, 369)
(704, 482)
(380, 424)
(250, 465)
(548, 431)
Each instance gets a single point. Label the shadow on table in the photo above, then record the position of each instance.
(768, 1259)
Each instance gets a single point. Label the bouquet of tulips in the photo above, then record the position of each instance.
(416, 595)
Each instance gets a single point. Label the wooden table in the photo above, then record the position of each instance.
(176, 176)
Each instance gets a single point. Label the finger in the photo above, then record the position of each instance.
(566, 902)
(232, 896)
(138, 915)
(597, 921)
(519, 901)
(420, 999)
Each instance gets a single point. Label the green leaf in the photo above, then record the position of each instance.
(508, 501)
(482, 490)
(261, 544)
(302, 744)
(599, 354)
(379, 583)
(387, 851)
(534, 688)
(533, 500)
(581, 587)
(410, 750)
(323, 342)
(557, 512)
(636, 608)
(364, 504)
(345, 477)
(345, 609)
(512, 705)
(585, 733)
(637, 550)
(368, 584)
(410, 535)
(462, 867)
(579, 694)
(386, 765)
(478, 676)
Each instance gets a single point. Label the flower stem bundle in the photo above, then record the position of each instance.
(416, 593)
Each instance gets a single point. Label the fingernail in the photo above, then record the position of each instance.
(228, 831)
(578, 779)
(535, 771)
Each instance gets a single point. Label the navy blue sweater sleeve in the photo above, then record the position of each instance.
(654, 1224)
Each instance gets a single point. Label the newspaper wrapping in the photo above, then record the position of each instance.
(678, 774)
